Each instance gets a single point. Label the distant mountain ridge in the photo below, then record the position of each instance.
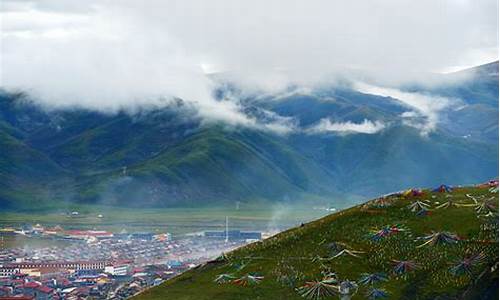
(161, 157)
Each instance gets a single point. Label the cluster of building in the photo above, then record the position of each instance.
(234, 235)
(103, 265)
(83, 280)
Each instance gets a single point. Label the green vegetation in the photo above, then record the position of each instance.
(14, 241)
(257, 216)
(383, 247)
(167, 157)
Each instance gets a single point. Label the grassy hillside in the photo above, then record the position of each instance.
(211, 166)
(464, 222)
(17, 160)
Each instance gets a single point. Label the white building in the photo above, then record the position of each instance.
(118, 269)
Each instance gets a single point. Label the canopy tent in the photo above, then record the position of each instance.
(443, 189)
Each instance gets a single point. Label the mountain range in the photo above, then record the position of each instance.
(335, 144)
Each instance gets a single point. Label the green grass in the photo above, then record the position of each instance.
(287, 260)
(211, 166)
(14, 241)
(257, 216)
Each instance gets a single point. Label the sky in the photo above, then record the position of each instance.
(109, 55)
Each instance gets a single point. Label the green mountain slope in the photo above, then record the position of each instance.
(289, 260)
(17, 160)
(167, 156)
(398, 155)
(214, 165)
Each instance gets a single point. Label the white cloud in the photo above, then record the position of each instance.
(110, 55)
(326, 125)
(426, 107)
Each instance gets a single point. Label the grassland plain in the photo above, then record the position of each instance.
(255, 216)
(460, 263)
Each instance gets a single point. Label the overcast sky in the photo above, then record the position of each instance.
(110, 54)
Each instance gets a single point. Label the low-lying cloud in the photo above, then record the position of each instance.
(426, 109)
(326, 125)
(112, 55)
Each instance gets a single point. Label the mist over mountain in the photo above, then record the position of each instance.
(334, 143)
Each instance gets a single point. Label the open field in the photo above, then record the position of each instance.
(174, 220)
(14, 241)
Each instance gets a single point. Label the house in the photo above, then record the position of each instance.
(38, 229)
(234, 235)
(30, 287)
(38, 291)
(145, 236)
(118, 269)
(44, 293)
(5, 291)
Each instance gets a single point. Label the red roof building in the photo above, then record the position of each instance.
(31, 285)
(44, 289)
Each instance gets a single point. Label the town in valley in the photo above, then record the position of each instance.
(98, 264)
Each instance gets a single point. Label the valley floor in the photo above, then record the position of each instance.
(262, 217)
